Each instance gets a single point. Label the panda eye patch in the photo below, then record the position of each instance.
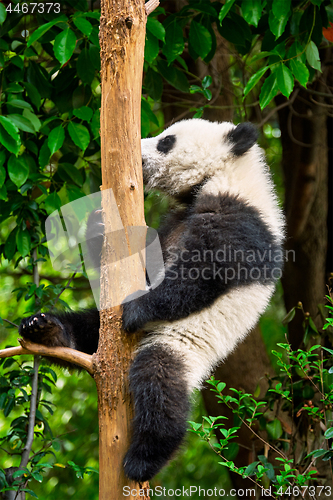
(166, 144)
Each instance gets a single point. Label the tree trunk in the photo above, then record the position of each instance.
(122, 36)
(305, 165)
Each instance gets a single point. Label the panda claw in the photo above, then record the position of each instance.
(42, 329)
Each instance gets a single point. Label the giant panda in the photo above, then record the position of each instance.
(222, 250)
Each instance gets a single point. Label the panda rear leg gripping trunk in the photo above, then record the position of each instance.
(161, 401)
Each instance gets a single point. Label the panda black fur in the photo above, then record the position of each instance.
(204, 306)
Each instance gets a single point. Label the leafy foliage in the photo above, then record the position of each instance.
(283, 35)
(298, 397)
(50, 155)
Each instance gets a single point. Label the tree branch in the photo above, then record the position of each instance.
(32, 415)
(151, 5)
(71, 355)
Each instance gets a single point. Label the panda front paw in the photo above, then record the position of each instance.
(43, 329)
(134, 315)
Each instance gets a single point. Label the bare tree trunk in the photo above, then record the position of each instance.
(122, 35)
(305, 164)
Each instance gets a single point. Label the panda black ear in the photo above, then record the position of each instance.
(242, 138)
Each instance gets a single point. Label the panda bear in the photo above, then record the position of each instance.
(222, 251)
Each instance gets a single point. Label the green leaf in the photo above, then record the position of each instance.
(297, 51)
(84, 67)
(268, 90)
(10, 245)
(254, 80)
(152, 48)
(154, 84)
(221, 386)
(289, 316)
(200, 39)
(52, 203)
(281, 7)
(95, 124)
(238, 32)
(285, 80)
(64, 45)
(94, 37)
(250, 469)
(174, 41)
(278, 24)
(22, 123)
(174, 76)
(33, 119)
(329, 433)
(69, 170)
(3, 13)
(39, 78)
(84, 113)
(44, 28)
(79, 135)
(33, 94)
(44, 155)
(2, 157)
(83, 25)
(2, 175)
(145, 124)
(206, 8)
(56, 139)
(207, 81)
(312, 56)
(156, 28)
(225, 9)
(3, 396)
(30, 492)
(274, 429)
(14, 88)
(300, 71)
(152, 117)
(9, 135)
(18, 170)
(317, 453)
(251, 10)
(74, 193)
(19, 472)
(314, 328)
(18, 103)
(23, 242)
(37, 476)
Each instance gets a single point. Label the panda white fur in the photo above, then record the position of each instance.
(222, 255)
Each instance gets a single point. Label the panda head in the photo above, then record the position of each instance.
(191, 151)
